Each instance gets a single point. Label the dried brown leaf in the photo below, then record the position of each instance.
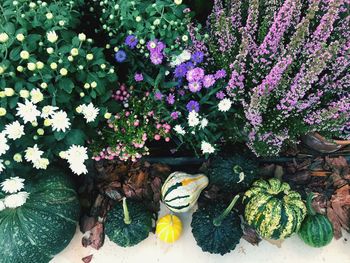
(87, 259)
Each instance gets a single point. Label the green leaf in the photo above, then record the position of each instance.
(13, 102)
(9, 28)
(75, 136)
(66, 84)
(60, 135)
(14, 54)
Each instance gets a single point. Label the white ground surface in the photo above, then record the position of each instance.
(185, 250)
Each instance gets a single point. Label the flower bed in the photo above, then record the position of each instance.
(89, 84)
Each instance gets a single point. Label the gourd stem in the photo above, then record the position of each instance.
(127, 219)
(309, 205)
(218, 220)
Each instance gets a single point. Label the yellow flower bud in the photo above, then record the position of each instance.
(34, 124)
(107, 115)
(49, 16)
(63, 71)
(9, 92)
(40, 65)
(86, 85)
(31, 66)
(82, 94)
(47, 122)
(20, 68)
(2, 111)
(40, 131)
(17, 157)
(74, 52)
(53, 65)
(89, 56)
(20, 37)
(70, 58)
(43, 85)
(82, 37)
(2, 94)
(63, 154)
(2, 69)
(93, 84)
(24, 93)
(78, 109)
(24, 54)
(50, 50)
(3, 37)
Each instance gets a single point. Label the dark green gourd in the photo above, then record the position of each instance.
(316, 229)
(233, 173)
(216, 228)
(42, 227)
(128, 224)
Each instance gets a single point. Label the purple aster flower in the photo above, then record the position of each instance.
(152, 45)
(156, 58)
(120, 56)
(174, 115)
(180, 70)
(220, 74)
(197, 57)
(138, 77)
(195, 86)
(131, 41)
(193, 105)
(208, 81)
(170, 98)
(189, 66)
(160, 47)
(158, 95)
(195, 74)
(220, 95)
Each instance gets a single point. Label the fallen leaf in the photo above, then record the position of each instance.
(97, 236)
(278, 172)
(332, 216)
(277, 243)
(251, 235)
(87, 259)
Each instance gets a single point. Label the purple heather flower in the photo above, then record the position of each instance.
(193, 105)
(138, 77)
(220, 95)
(208, 81)
(220, 74)
(158, 95)
(156, 58)
(131, 41)
(197, 57)
(180, 70)
(174, 115)
(195, 86)
(152, 45)
(120, 56)
(170, 98)
(195, 74)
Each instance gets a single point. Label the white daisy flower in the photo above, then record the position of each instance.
(204, 123)
(2, 205)
(90, 112)
(41, 163)
(36, 96)
(12, 185)
(2, 167)
(60, 121)
(78, 168)
(16, 200)
(179, 130)
(48, 111)
(76, 153)
(193, 119)
(33, 153)
(14, 130)
(28, 111)
(3, 143)
(224, 105)
(185, 55)
(207, 147)
(52, 36)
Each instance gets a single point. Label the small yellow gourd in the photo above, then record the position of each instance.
(169, 228)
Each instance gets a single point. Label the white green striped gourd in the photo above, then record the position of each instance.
(273, 209)
(180, 190)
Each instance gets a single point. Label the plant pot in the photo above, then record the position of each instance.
(320, 144)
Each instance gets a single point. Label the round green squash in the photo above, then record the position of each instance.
(273, 209)
(233, 173)
(128, 224)
(216, 229)
(316, 229)
(42, 227)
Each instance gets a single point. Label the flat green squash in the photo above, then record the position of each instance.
(273, 209)
(41, 228)
(316, 229)
(216, 228)
(233, 173)
(128, 224)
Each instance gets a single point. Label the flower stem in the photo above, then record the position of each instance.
(218, 220)
(127, 219)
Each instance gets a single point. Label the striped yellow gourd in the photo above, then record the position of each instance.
(180, 190)
(169, 228)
